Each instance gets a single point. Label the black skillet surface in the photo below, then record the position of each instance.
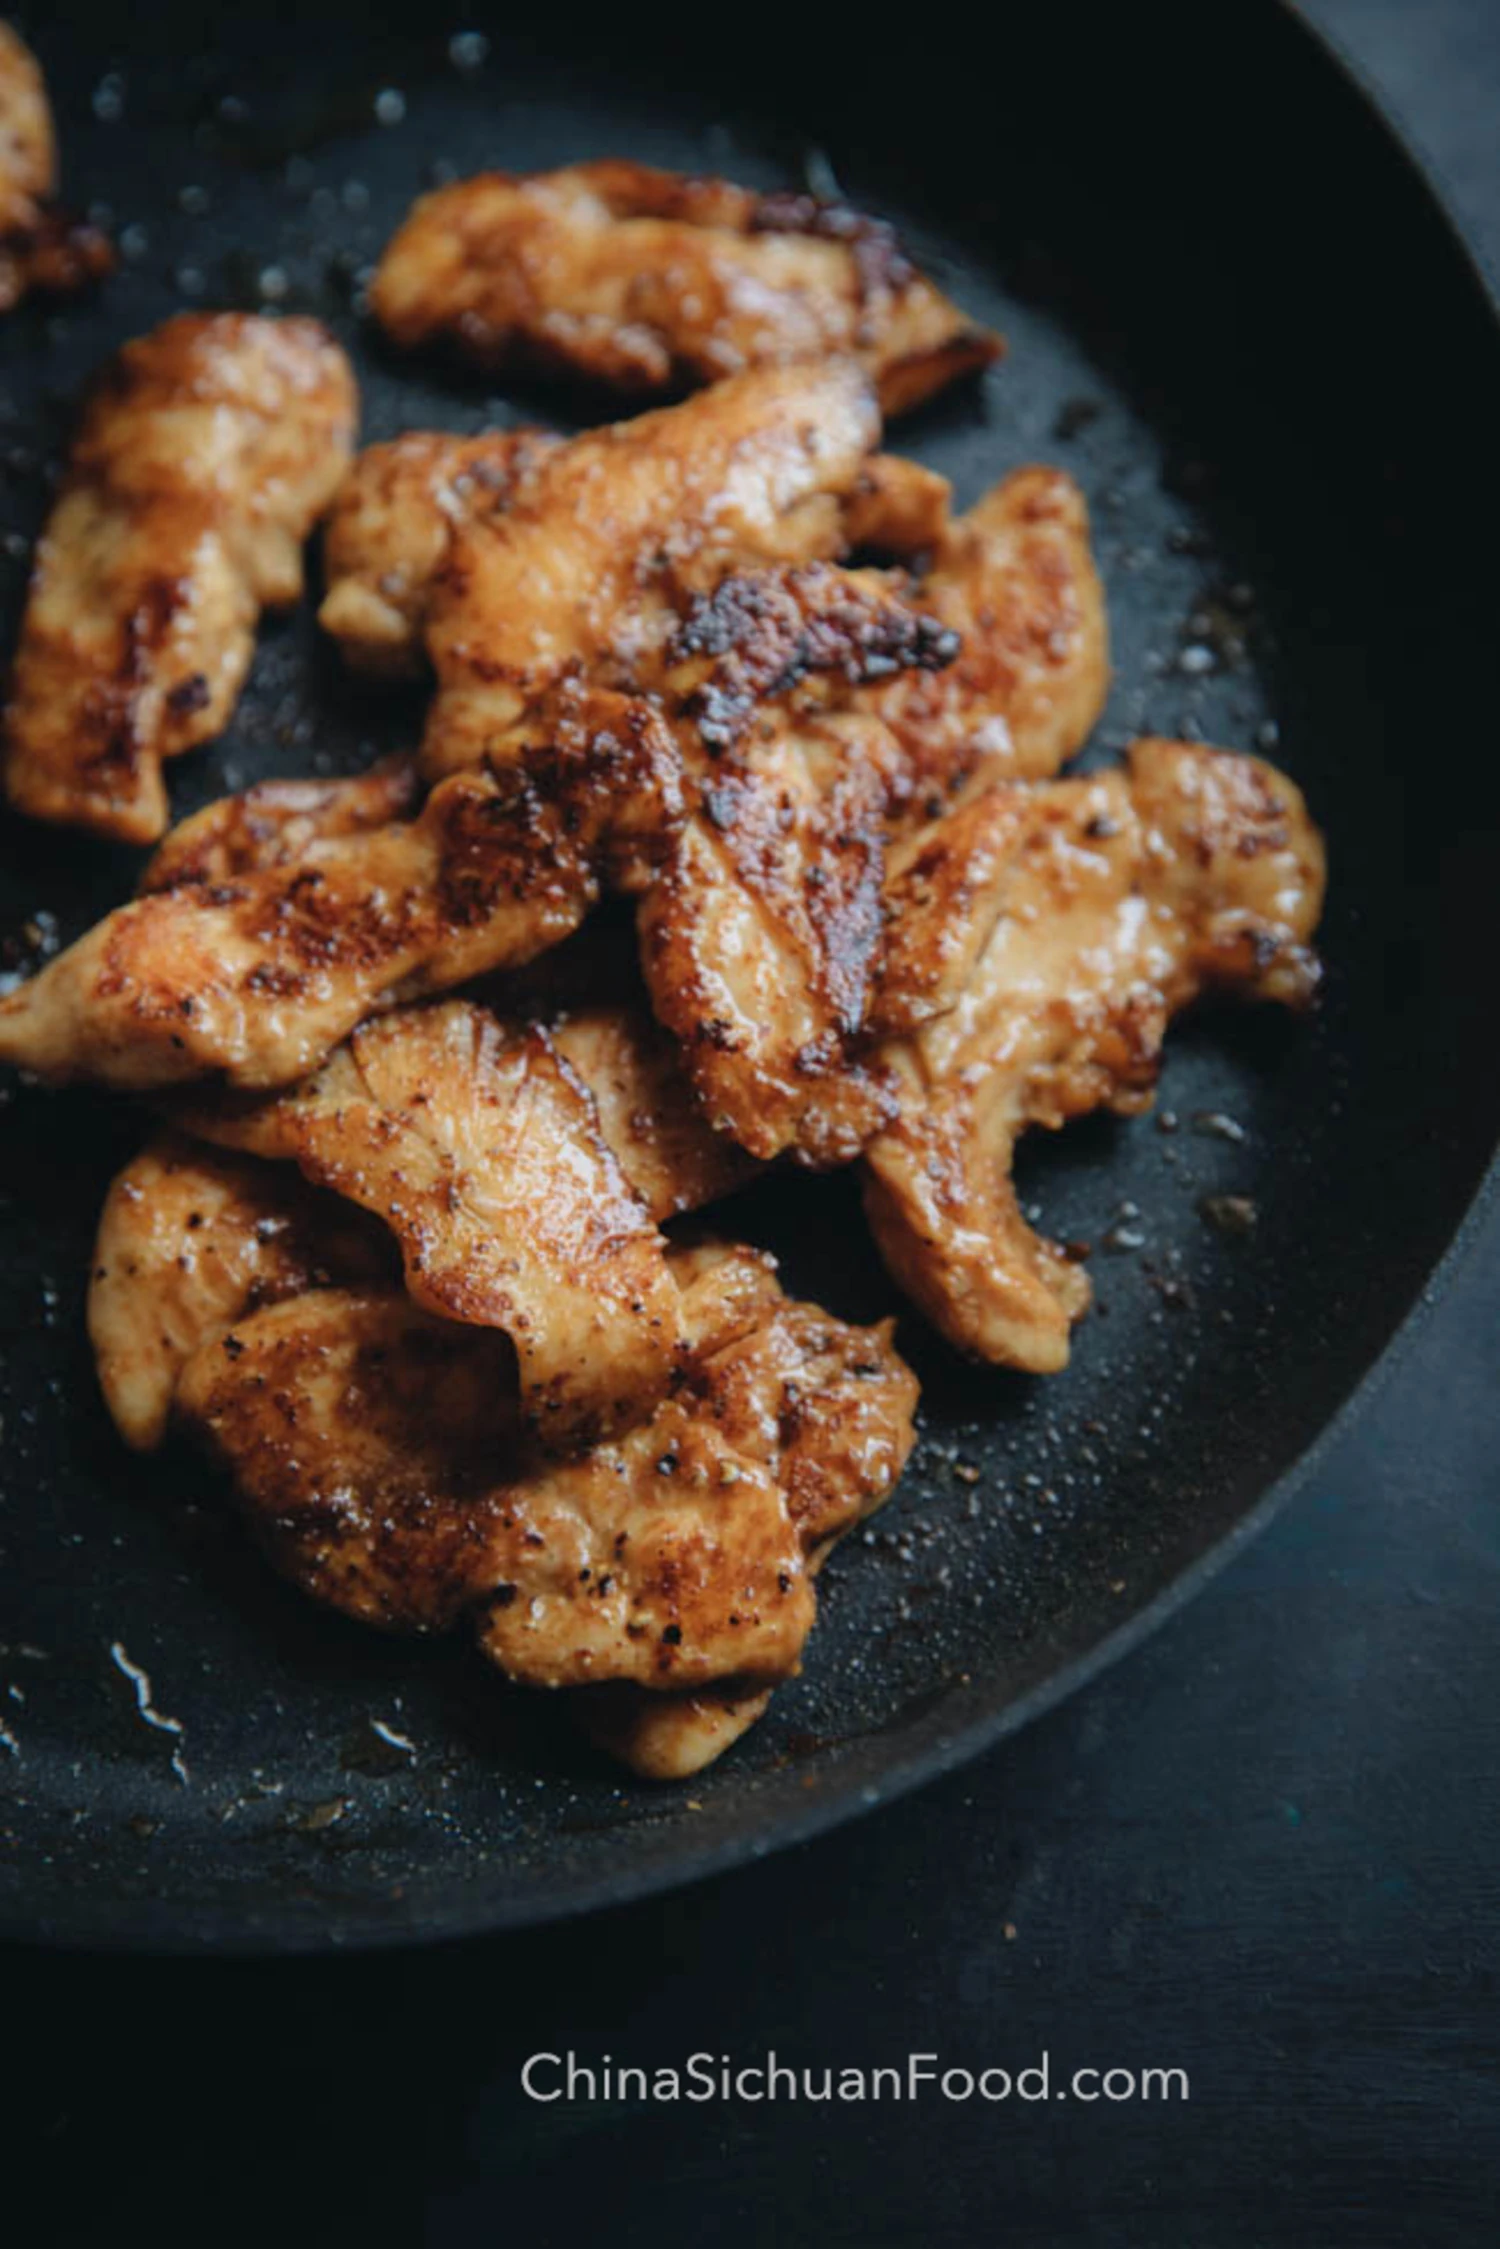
(1236, 316)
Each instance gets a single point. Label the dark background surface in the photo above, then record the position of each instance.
(1263, 1849)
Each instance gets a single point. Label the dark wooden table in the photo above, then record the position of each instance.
(1263, 1850)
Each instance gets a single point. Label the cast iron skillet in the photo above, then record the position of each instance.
(1238, 316)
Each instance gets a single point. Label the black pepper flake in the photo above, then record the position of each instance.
(190, 694)
(672, 1635)
(503, 1596)
(667, 1465)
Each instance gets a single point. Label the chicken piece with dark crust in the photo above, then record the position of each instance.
(1099, 908)
(654, 283)
(206, 453)
(41, 246)
(392, 526)
(256, 978)
(760, 930)
(817, 731)
(605, 539)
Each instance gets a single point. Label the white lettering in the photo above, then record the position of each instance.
(528, 2088)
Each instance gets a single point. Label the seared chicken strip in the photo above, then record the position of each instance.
(192, 1239)
(819, 718)
(760, 931)
(390, 528)
(522, 1172)
(276, 823)
(648, 1113)
(483, 1150)
(28, 147)
(1015, 580)
(258, 977)
(1101, 906)
(41, 247)
(604, 539)
(206, 454)
(652, 283)
(370, 1449)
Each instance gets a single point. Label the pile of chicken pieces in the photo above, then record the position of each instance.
(407, 1250)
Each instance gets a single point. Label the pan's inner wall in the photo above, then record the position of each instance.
(1240, 324)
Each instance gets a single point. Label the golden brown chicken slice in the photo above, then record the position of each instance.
(652, 283)
(371, 1450)
(604, 540)
(673, 1736)
(1108, 903)
(276, 823)
(669, 1736)
(41, 247)
(648, 1111)
(28, 149)
(759, 938)
(482, 1149)
(390, 528)
(392, 525)
(258, 977)
(206, 454)
(1015, 579)
(523, 1172)
(368, 1443)
(192, 1239)
(817, 726)
(760, 930)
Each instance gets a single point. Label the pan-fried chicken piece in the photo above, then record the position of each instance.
(522, 1172)
(605, 538)
(943, 895)
(652, 283)
(207, 452)
(390, 528)
(257, 978)
(275, 823)
(762, 932)
(671, 1736)
(41, 247)
(897, 510)
(28, 151)
(1015, 579)
(371, 1450)
(368, 1443)
(483, 1151)
(1113, 901)
(648, 1112)
(192, 1239)
(758, 941)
